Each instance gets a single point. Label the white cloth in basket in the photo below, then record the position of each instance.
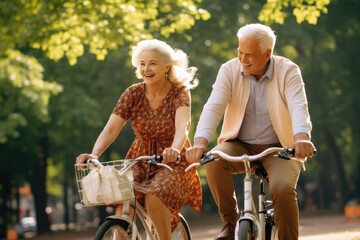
(103, 186)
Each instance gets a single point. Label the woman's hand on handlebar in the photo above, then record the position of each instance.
(170, 155)
(85, 156)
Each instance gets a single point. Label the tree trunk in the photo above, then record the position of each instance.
(66, 199)
(335, 161)
(38, 187)
(4, 211)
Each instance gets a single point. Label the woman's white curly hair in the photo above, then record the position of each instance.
(180, 73)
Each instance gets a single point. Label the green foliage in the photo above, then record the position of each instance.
(22, 90)
(54, 186)
(275, 11)
(68, 28)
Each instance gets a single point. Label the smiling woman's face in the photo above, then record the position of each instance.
(253, 61)
(152, 67)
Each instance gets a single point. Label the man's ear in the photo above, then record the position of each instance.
(268, 53)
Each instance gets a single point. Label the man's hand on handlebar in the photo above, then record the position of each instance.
(194, 154)
(304, 148)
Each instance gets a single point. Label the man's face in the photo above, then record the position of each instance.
(253, 61)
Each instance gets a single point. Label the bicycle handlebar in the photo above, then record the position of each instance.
(213, 155)
(153, 160)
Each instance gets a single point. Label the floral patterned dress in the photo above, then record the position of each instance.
(155, 130)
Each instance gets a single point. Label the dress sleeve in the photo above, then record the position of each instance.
(124, 105)
(183, 98)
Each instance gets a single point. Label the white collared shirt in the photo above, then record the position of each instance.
(256, 127)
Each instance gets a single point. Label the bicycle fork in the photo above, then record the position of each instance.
(249, 212)
(262, 210)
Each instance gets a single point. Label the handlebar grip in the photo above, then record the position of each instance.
(159, 158)
(94, 161)
(288, 153)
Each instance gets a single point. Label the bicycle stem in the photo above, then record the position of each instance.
(248, 203)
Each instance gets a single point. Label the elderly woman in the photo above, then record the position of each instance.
(159, 109)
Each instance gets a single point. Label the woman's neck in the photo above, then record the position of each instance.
(157, 91)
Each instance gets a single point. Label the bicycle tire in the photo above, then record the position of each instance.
(182, 231)
(271, 231)
(112, 227)
(245, 231)
(117, 226)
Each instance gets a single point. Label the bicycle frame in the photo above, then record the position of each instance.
(250, 212)
(141, 214)
(127, 218)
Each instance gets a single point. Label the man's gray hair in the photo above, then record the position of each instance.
(264, 34)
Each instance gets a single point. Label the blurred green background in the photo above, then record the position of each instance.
(64, 64)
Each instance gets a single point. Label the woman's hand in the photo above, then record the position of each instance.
(85, 156)
(170, 155)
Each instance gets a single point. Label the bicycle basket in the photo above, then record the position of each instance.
(105, 185)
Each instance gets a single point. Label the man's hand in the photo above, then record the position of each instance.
(194, 154)
(303, 146)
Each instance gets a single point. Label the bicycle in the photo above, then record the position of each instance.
(111, 183)
(254, 223)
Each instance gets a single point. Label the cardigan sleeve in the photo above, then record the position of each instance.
(297, 102)
(215, 106)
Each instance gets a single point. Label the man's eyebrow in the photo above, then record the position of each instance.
(153, 60)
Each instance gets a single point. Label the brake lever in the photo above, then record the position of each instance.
(286, 154)
(206, 158)
(159, 158)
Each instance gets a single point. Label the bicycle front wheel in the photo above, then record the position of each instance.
(245, 231)
(271, 231)
(113, 229)
(182, 231)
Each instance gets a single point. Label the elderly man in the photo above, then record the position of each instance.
(262, 100)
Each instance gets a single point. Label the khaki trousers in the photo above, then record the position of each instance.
(283, 176)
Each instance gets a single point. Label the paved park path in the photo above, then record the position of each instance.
(205, 227)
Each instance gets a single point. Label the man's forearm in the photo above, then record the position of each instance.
(201, 142)
(301, 136)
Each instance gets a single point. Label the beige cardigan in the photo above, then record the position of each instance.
(287, 103)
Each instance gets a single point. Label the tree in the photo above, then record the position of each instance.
(67, 29)
(275, 11)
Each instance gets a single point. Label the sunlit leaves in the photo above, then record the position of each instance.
(9, 125)
(69, 28)
(22, 90)
(25, 73)
(274, 11)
